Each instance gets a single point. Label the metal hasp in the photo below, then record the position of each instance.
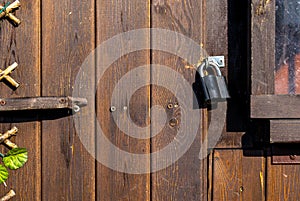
(219, 60)
(42, 103)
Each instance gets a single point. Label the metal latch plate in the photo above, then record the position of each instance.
(285, 154)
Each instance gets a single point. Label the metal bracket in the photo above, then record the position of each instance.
(42, 103)
(285, 154)
(218, 60)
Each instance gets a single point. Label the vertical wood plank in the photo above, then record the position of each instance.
(116, 17)
(283, 182)
(22, 45)
(186, 178)
(263, 47)
(68, 37)
(237, 177)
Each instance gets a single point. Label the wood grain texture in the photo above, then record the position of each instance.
(22, 45)
(263, 47)
(40, 103)
(275, 107)
(186, 178)
(284, 131)
(116, 17)
(283, 182)
(237, 177)
(68, 170)
(218, 40)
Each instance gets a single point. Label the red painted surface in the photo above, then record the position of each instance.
(282, 78)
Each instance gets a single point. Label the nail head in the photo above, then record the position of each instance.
(113, 108)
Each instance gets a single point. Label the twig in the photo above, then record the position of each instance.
(6, 11)
(8, 196)
(8, 134)
(10, 144)
(10, 8)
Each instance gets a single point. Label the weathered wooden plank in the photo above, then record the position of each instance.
(275, 106)
(284, 131)
(22, 45)
(68, 37)
(185, 179)
(263, 47)
(116, 17)
(41, 103)
(238, 177)
(283, 182)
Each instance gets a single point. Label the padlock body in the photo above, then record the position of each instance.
(204, 89)
(222, 86)
(212, 87)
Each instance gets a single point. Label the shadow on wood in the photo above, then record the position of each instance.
(34, 115)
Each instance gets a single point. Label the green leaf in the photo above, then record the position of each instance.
(15, 158)
(3, 174)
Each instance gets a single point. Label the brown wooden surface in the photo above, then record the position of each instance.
(237, 177)
(22, 45)
(40, 103)
(284, 131)
(283, 182)
(115, 17)
(67, 38)
(263, 47)
(50, 46)
(185, 179)
(275, 106)
(218, 36)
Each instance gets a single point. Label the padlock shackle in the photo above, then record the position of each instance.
(210, 64)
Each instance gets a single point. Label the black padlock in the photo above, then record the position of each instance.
(213, 85)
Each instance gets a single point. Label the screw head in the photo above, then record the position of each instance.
(293, 157)
(113, 108)
(2, 102)
(62, 100)
(173, 122)
(170, 106)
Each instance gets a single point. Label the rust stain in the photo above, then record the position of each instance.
(261, 9)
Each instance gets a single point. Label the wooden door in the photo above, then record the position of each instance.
(50, 46)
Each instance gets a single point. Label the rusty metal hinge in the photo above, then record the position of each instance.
(42, 103)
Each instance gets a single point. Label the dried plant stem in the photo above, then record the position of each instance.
(9, 9)
(4, 75)
(8, 70)
(10, 80)
(8, 134)
(10, 144)
(8, 196)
